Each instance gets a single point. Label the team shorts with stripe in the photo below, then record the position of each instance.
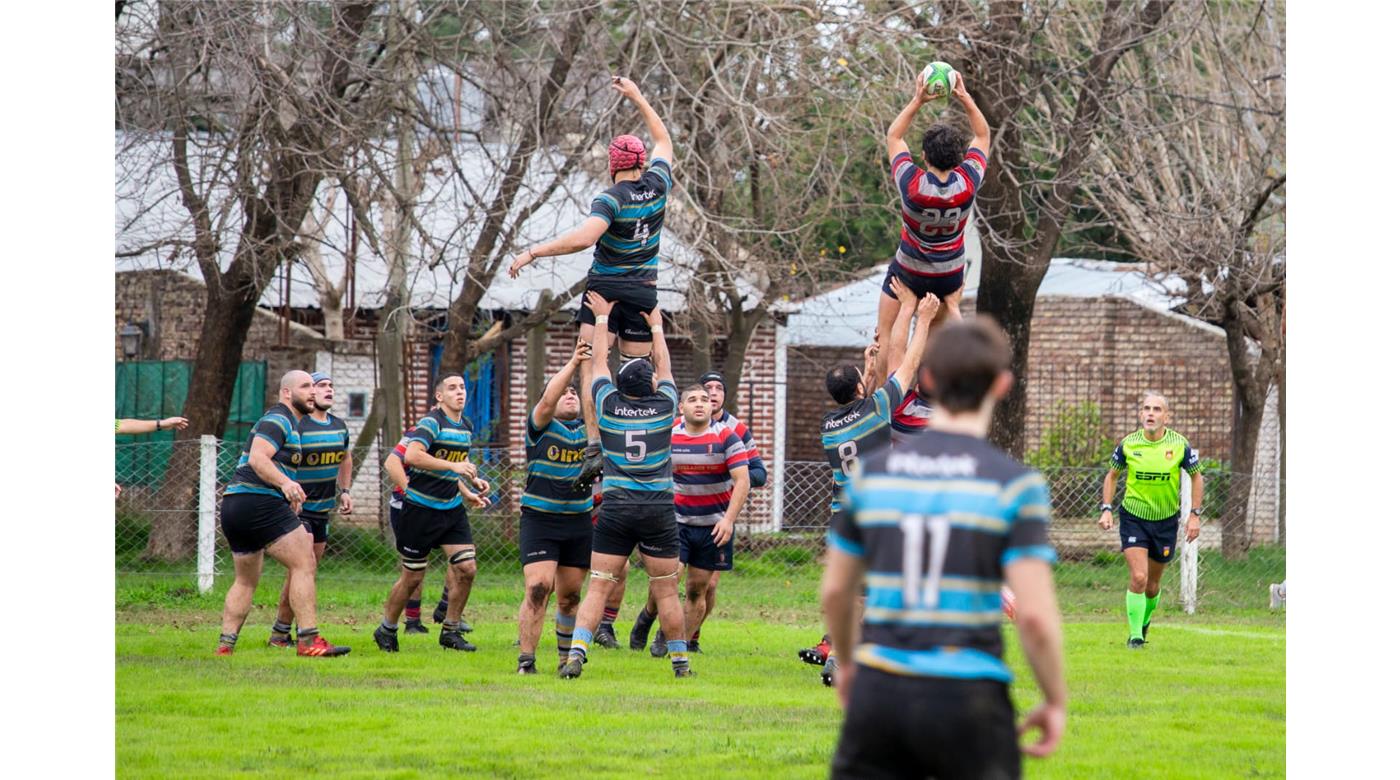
(698, 548)
(419, 529)
(943, 727)
(566, 539)
(650, 528)
(252, 521)
(1157, 536)
(942, 286)
(631, 300)
(318, 525)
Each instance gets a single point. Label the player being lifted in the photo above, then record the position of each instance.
(624, 229)
(860, 426)
(556, 527)
(259, 514)
(935, 204)
(324, 474)
(433, 513)
(713, 382)
(635, 417)
(932, 527)
(910, 415)
(1151, 512)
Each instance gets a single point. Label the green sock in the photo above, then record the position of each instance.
(1151, 607)
(1137, 605)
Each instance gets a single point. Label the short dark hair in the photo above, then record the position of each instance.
(695, 388)
(442, 380)
(944, 146)
(842, 382)
(962, 360)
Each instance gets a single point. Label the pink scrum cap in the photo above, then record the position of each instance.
(625, 152)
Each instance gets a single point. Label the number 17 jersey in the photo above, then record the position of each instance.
(857, 430)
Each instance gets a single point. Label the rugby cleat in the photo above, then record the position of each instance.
(693, 646)
(571, 669)
(224, 650)
(817, 655)
(592, 469)
(685, 671)
(320, 648)
(1145, 626)
(658, 645)
(414, 627)
(440, 612)
(453, 640)
(386, 640)
(1136, 644)
(829, 671)
(638, 638)
(526, 667)
(465, 627)
(606, 638)
(279, 640)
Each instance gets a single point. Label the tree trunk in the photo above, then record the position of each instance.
(1250, 377)
(1009, 298)
(741, 328)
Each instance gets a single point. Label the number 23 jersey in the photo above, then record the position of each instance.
(857, 430)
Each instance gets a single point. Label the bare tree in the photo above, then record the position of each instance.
(1193, 172)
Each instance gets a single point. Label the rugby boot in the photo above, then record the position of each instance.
(817, 655)
(829, 671)
(1135, 644)
(386, 640)
(320, 648)
(571, 669)
(606, 637)
(526, 666)
(279, 640)
(224, 650)
(440, 612)
(414, 627)
(592, 467)
(658, 645)
(684, 671)
(693, 646)
(637, 640)
(453, 640)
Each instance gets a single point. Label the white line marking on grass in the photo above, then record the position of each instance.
(1221, 632)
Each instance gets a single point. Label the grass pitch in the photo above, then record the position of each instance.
(1203, 699)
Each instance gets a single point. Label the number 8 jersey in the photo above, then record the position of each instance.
(937, 519)
(857, 430)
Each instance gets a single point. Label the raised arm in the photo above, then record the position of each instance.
(894, 352)
(544, 410)
(601, 309)
(927, 311)
(576, 240)
(151, 426)
(660, 355)
(894, 136)
(660, 138)
(981, 131)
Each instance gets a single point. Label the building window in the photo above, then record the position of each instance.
(357, 406)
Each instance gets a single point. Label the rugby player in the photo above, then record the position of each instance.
(324, 474)
(439, 477)
(259, 514)
(413, 608)
(910, 415)
(713, 382)
(1150, 515)
(933, 526)
(556, 526)
(624, 229)
(935, 204)
(635, 418)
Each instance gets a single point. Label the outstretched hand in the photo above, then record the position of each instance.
(902, 293)
(653, 317)
(600, 306)
(959, 86)
(521, 260)
(627, 87)
(928, 307)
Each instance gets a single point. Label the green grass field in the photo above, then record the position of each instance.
(1204, 699)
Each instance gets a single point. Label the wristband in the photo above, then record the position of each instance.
(600, 319)
(157, 424)
(656, 329)
(1105, 507)
(344, 491)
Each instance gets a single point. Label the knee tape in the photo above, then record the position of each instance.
(602, 575)
(414, 564)
(460, 556)
(673, 575)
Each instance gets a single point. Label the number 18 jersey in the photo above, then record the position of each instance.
(857, 430)
(937, 519)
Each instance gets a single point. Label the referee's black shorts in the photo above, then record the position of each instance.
(901, 726)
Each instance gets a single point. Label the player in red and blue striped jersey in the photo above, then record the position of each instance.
(935, 204)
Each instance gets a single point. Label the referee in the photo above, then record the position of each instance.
(1148, 519)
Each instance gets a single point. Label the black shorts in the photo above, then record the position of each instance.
(547, 536)
(317, 525)
(940, 727)
(698, 548)
(1157, 536)
(650, 528)
(252, 521)
(631, 300)
(942, 286)
(420, 529)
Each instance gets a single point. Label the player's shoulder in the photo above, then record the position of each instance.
(1175, 437)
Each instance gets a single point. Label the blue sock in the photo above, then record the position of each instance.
(563, 633)
(582, 638)
(676, 648)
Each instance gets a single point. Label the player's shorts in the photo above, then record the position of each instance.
(1157, 536)
(650, 528)
(942, 286)
(549, 536)
(318, 526)
(420, 529)
(631, 300)
(698, 548)
(942, 727)
(252, 521)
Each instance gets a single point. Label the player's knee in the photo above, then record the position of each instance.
(694, 595)
(538, 593)
(568, 602)
(1138, 581)
(413, 569)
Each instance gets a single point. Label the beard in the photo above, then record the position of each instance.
(305, 407)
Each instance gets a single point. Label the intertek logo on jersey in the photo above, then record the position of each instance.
(450, 457)
(642, 195)
(924, 466)
(324, 458)
(562, 455)
(627, 411)
(840, 421)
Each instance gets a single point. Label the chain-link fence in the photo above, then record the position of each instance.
(167, 521)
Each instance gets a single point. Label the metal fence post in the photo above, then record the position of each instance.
(1189, 561)
(778, 472)
(208, 486)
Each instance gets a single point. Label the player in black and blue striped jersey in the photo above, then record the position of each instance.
(259, 514)
(638, 511)
(933, 526)
(556, 524)
(440, 477)
(324, 475)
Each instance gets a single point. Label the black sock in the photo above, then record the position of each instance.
(526, 658)
(307, 634)
(228, 640)
(645, 618)
(278, 627)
